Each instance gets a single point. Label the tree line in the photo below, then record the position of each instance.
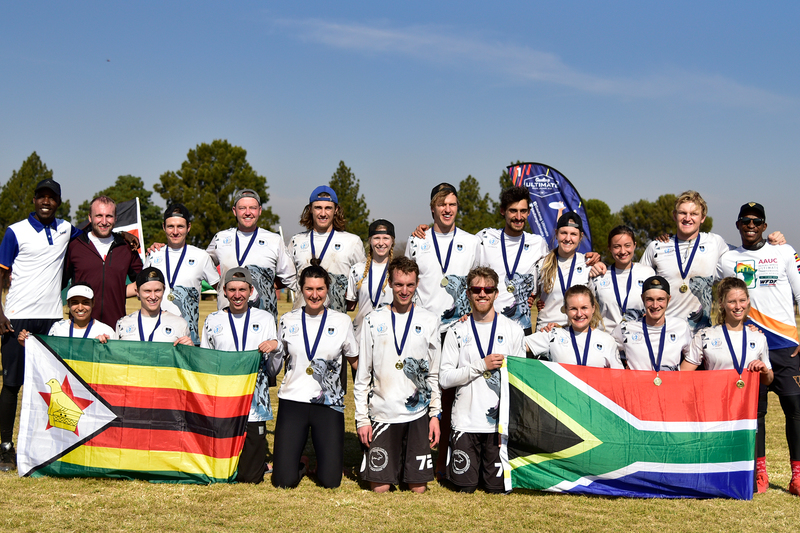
(212, 173)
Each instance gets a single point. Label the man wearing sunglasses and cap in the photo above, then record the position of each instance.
(31, 259)
(184, 268)
(151, 323)
(773, 282)
(472, 355)
(260, 251)
(327, 242)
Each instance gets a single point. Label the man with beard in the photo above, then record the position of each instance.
(397, 389)
(773, 282)
(472, 355)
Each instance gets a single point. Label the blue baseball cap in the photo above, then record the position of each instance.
(323, 189)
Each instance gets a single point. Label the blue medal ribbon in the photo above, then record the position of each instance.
(510, 273)
(623, 306)
(171, 281)
(399, 349)
(449, 250)
(585, 346)
(240, 261)
(656, 363)
(689, 261)
(738, 365)
(324, 248)
(88, 328)
(478, 339)
(311, 352)
(244, 331)
(561, 276)
(380, 286)
(141, 329)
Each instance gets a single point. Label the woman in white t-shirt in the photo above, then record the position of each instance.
(368, 284)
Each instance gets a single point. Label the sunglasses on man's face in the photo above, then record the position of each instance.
(745, 221)
(487, 290)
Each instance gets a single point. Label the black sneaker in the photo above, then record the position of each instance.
(8, 457)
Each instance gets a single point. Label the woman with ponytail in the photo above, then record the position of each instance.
(368, 284)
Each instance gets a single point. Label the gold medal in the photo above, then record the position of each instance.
(399, 365)
(486, 374)
(444, 282)
(657, 381)
(170, 297)
(510, 288)
(684, 288)
(740, 383)
(309, 371)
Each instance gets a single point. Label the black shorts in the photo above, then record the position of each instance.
(252, 461)
(473, 456)
(399, 447)
(14, 353)
(787, 372)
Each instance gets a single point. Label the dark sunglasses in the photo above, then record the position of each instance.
(745, 221)
(487, 290)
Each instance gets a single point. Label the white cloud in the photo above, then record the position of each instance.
(436, 45)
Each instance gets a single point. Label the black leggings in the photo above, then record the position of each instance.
(8, 411)
(791, 410)
(291, 434)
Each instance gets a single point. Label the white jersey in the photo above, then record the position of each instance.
(556, 344)
(773, 282)
(448, 302)
(603, 287)
(694, 304)
(554, 301)
(630, 340)
(710, 347)
(324, 385)
(267, 259)
(218, 335)
(385, 393)
(164, 328)
(35, 255)
(185, 288)
(514, 303)
(97, 328)
(477, 402)
(344, 251)
(362, 295)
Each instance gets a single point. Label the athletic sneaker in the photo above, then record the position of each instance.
(794, 486)
(762, 482)
(8, 457)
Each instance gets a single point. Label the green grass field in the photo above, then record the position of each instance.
(110, 505)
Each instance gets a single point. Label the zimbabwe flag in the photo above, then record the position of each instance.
(569, 428)
(140, 410)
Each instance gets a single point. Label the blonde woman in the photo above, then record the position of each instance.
(368, 284)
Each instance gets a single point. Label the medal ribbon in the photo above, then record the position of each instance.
(380, 286)
(324, 248)
(689, 261)
(141, 329)
(739, 366)
(510, 274)
(171, 282)
(585, 346)
(478, 339)
(399, 349)
(88, 328)
(622, 305)
(311, 352)
(244, 331)
(561, 276)
(656, 364)
(246, 250)
(449, 250)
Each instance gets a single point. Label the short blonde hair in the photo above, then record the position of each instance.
(691, 197)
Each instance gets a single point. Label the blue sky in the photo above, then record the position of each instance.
(629, 100)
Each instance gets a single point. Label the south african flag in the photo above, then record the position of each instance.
(569, 428)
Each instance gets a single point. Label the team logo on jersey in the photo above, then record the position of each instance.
(227, 240)
(746, 270)
(752, 345)
(636, 337)
(702, 248)
(157, 260)
(261, 242)
(493, 241)
(579, 270)
(218, 329)
(331, 332)
(672, 337)
(381, 328)
(256, 327)
(304, 246)
(603, 283)
(424, 247)
(378, 459)
(599, 347)
(460, 462)
(716, 343)
(459, 247)
(563, 340)
(130, 329)
(191, 262)
(641, 283)
(294, 329)
(418, 330)
(337, 247)
(501, 339)
(526, 247)
(168, 330)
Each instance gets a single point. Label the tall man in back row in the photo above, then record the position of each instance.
(32, 257)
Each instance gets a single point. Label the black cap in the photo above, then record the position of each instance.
(655, 282)
(443, 187)
(149, 274)
(389, 228)
(570, 219)
(177, 210)
(752, 207)
(49, 184)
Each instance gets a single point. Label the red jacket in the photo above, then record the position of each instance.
(107, 278)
